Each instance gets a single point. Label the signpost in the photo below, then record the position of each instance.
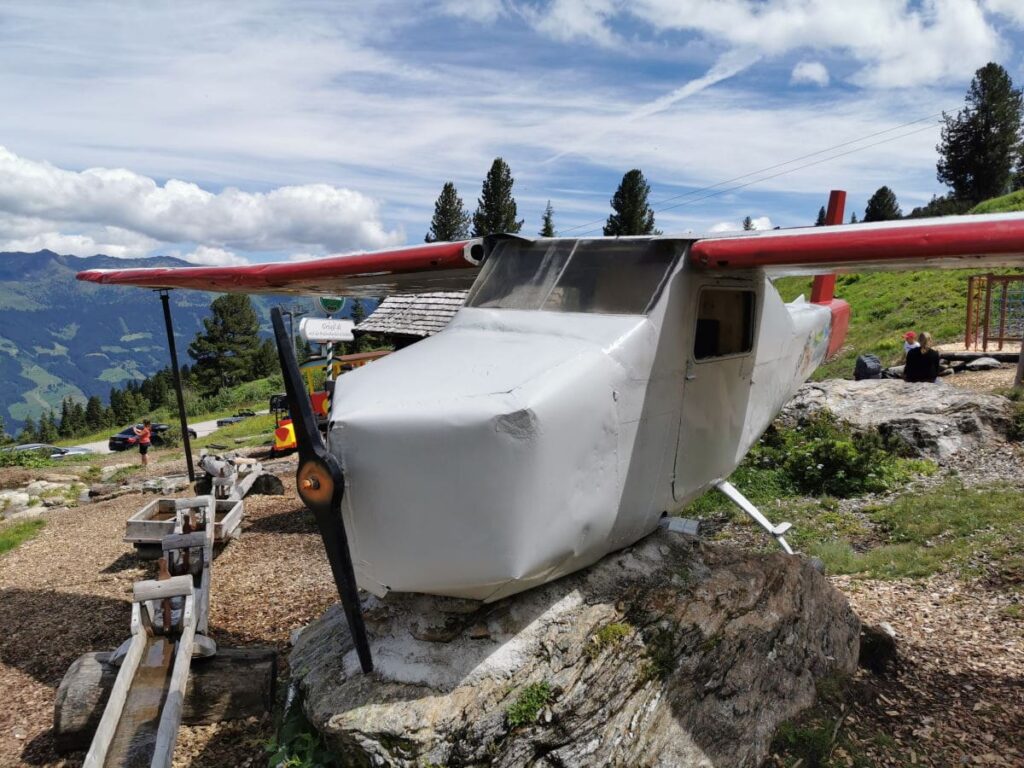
(325, 330)
(331, 305)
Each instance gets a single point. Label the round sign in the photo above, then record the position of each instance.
(331, 304)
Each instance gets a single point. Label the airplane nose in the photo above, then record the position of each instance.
(462, 493)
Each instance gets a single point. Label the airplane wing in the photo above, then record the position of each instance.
(954, 242)
(421, 268)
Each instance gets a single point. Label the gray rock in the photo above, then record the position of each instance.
(711, 650)
(932, 420)
(983, 364)
(13, 500)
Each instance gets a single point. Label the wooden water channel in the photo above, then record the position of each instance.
(169, 624)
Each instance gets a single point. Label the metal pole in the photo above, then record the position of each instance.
(165, 298)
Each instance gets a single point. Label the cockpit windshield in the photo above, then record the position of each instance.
(619, 277)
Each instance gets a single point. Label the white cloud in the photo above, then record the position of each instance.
(110, 241)
(813, 72)
(760, 223)
(317, 215)
(1011, 9)
(484, 11)
(214, 257)
(897, 44)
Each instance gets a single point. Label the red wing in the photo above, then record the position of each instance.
(952, 242)
(432, 267)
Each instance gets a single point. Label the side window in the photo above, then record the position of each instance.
(725, 323)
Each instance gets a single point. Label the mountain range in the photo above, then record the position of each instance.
(60, 337)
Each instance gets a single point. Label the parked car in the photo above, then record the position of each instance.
(54, 451)
(127, 438)
(235, 419)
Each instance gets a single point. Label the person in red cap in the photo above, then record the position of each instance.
(909, 342)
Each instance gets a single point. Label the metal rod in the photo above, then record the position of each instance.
(165, 298)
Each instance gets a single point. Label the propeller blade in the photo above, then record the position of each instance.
(321, 485)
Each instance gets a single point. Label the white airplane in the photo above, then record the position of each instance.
(588, 388)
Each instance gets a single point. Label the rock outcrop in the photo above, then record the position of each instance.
(932, 420)
(670, 653)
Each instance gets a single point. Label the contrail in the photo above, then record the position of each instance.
(728, 65)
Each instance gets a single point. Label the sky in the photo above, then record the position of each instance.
(226, 133)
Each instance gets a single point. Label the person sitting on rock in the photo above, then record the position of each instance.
(922, 361)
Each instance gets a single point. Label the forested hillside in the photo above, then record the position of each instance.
(60, 337)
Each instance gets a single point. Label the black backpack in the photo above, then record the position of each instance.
(867, 367)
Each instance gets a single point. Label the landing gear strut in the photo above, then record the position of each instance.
(743, 503)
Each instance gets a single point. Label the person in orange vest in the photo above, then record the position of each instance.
(145, 436)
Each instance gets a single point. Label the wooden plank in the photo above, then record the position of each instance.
(97, 754)
(183, 540)
(151, 589)
(170, 717)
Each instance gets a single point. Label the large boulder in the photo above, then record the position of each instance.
(669, 653)
(932, 420)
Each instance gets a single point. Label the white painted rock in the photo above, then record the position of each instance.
(934, 420)
(665, 654)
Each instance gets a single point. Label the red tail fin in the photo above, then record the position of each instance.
(824, 286)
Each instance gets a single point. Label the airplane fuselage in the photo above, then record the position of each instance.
(587, 389)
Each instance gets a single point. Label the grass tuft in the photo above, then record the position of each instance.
(14, 534)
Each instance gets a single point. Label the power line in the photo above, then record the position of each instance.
(661, 207)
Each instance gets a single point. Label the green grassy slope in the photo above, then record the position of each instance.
(887, 304)
(1005, 204)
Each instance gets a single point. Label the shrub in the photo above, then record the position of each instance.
(824, 456)
(29, 459)
(528, 704)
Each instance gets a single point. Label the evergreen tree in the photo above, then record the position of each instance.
(947, 205)
(224, 353)
(65, 418)
(265, 362)
(358, 313)
(632, 213)
(4, 437)
(450, 221)
(28, 432)
(77, 415)
(853, 218)
(496, 208)
(48, 427)
(547, 228)
(94, 417)
(882, 206)
(748, 224)
(981, 145)
(820, 221)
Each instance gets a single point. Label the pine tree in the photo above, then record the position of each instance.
(748, 224)
(48, 427)
(496, 208)
(450, 221)
(981, 145)
(265, 362)
(4, 437)
(853, 218)
(65, 418)
(632, 213)
(882, 206)
(28, 432)
(820, 221)
(94, 420)
(547, 228)
(224, 353)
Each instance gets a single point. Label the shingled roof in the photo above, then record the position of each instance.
(420, 314)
